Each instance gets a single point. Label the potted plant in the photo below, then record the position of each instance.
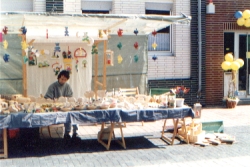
(230, 64)
(179, 92)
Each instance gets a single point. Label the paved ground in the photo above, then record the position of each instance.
(144, 146)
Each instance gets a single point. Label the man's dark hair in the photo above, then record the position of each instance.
(65, 73)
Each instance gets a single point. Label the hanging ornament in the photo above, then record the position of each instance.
(25, 59)
(101, 33)
(1, 37)
(66, 31)
(119, 45)
(154, 57)
(119, 32)
(109, 57)
(23, 30)
(5, 30)
(154, 33)
(154, 45)
(80, 53)
(136, 31)
(85, 37)
(136, 58)
(84, 63)
(119, 58)
(136, 45)
(94, 50)
(76, 66)
(56, 68)
(5, 44)
(42, 52)
(6, 58)
(47, 34)
(57, 47)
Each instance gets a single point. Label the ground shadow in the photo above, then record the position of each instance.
(44, 147)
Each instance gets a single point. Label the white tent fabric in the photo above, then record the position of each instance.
(37, 25)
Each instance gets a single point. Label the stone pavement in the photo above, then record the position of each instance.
(144, 146)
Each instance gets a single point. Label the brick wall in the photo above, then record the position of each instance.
(128, 7)
(215, 45)
(192, 81)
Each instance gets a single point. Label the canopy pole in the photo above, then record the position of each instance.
(96, 73)
(25, 93)
(104, 65)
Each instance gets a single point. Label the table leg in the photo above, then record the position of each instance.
(5, 145)
(167, 139)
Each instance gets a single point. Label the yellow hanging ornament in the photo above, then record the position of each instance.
(154, 45)
(119, 58)
(42, 52)
(5, 44)
(24, 45)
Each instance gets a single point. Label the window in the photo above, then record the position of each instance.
(164, 36)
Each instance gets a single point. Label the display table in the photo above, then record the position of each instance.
(114, 116)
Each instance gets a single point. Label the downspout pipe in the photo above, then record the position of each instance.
(199, 50)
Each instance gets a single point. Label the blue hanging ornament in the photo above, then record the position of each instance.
(6, 58)
(119, 45)
(66, 31)
(57, 47)
(154, 57)
(136, 31)
(24, 30)
(136, 58)
(238, 14)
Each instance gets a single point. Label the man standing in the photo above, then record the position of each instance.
(62, 88)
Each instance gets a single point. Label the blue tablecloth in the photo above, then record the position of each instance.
(27, 120)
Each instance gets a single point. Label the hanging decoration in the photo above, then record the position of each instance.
(136, 45)
(84, 63)
(42, 52)
(1, 37)
(24, 45)
(56, 68)
(5, 44)
(154, 45)
(6, 57)
(119, 58)
(101, 34)
(243, 18)
(154, 33)
(154, 57)
(25, 59)
(80, 53)
(5, 30)
(94, 50)
(23, 30)
(42, 61)
(119, 32)
(67, 60)
(119, 45)
(32, 58)
(136, 31)
(66, 31)
(85, 37)
(136, 58)
(47, 34)
(76, 66)
(57, 49)
(109, 57)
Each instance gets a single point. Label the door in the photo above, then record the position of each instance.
(242, 51)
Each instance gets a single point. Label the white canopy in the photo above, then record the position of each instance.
(38, 23)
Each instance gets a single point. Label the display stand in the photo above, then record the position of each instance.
(4, 150)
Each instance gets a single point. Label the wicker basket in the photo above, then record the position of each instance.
(231, 103)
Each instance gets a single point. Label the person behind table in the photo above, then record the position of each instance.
(62, 88)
